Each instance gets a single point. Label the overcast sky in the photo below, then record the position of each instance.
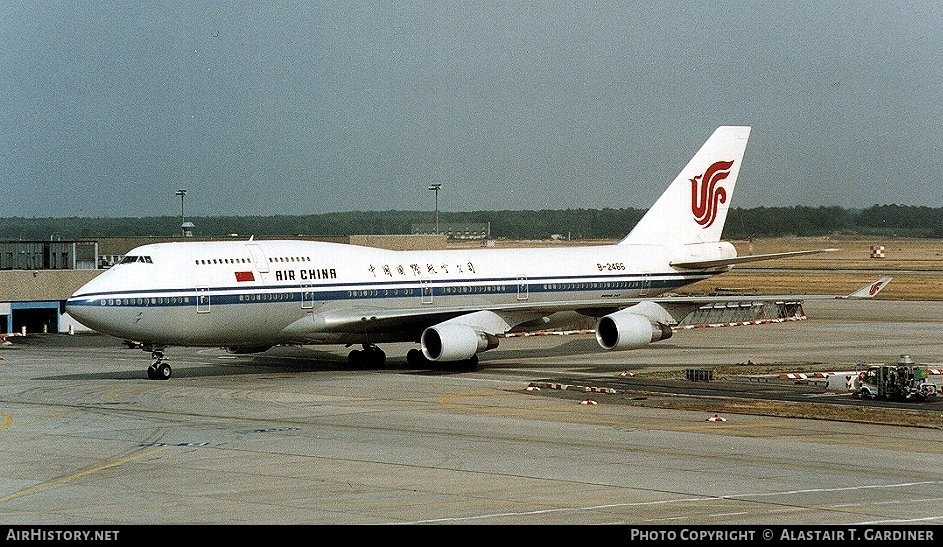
(260, 108)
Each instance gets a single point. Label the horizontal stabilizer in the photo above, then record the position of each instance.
(713, 263)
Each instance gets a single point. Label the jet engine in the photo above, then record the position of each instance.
(454, 342)
(626, 329)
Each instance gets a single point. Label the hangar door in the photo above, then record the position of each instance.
(35, 316)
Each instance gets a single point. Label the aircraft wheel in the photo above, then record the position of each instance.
(152, 372)
(369, 356)
(470, 364)
(375, 357)
(164, 372)
(416, 359)
(465, 365)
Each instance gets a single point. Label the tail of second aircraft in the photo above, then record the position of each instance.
(694, 208)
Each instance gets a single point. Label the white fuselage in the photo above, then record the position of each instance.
(273, 291)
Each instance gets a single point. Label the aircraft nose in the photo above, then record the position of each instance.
(75, 310)
(82, 308)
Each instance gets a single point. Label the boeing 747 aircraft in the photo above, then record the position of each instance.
(251, 295)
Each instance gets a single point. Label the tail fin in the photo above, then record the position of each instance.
(871, 289)
(694, 208)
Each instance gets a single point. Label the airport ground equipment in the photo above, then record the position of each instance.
(903, 381)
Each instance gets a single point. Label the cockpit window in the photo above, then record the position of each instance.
(133, 258)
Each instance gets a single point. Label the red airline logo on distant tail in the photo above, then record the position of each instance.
(706, 193)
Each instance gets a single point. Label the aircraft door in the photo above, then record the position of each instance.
(646, 284)
(307, 297)
(202, 300)
(522, 288)
(258, 257)
(426, 288)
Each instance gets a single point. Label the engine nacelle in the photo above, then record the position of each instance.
(454, 342)
(627, 330)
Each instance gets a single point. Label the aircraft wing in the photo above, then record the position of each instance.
(491, 319)
(408, 324)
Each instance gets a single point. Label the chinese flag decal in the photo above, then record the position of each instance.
(245, 276)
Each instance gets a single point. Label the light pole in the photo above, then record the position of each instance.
(182, 193)
(435, 188)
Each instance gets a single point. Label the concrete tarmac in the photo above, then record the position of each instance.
(294, 436)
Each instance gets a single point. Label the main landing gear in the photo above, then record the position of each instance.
(415, 359)
(158, 369)
(373, 357)
(370, 356)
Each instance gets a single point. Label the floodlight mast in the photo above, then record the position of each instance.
(182, 193)
(435, 188)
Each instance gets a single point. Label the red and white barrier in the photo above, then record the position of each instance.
(793, 376)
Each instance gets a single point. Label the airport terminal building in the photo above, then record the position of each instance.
(37, 277)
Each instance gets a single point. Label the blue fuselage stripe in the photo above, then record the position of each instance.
(282, 292)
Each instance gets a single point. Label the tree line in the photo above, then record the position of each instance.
(880, 220)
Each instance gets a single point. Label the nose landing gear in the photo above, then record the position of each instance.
(159, 370)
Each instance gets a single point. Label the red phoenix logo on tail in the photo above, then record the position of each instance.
(706, 194)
